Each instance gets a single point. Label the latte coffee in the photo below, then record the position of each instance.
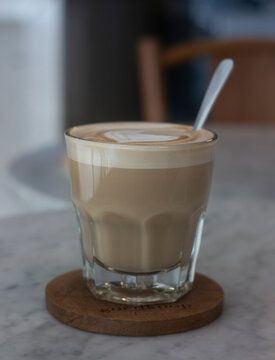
(140, 191)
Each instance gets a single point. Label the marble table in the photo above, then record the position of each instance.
(238, 250)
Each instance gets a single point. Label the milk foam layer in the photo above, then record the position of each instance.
(140, 133)
(139, 145)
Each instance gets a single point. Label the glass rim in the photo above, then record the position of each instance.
(209, 141)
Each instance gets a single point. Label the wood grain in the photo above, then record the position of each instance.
(188, 51)
(151, 82)
(69, 300)
(246, 98)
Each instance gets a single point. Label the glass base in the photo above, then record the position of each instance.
(138, 289)
(141, 288)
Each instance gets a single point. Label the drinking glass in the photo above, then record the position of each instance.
(140, 212)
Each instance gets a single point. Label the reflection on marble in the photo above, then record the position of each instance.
(238, 250)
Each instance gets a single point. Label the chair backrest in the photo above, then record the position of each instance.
(249, 94)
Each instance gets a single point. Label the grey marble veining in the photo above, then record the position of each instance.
(238, 250)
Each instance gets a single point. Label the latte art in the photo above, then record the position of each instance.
(137, 136)
(141, 133)
(140, 145)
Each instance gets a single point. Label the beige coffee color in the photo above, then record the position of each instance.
(139, 201)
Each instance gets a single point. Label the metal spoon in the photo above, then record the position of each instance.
(217, 82)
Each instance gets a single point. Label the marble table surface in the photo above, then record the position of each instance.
(238, 251)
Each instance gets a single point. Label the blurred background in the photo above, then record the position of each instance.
(67, 62)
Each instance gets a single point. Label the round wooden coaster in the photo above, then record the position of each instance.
(69, 300)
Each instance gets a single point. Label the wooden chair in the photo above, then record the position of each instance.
(249, 96)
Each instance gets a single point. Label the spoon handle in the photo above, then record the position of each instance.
(215, 86)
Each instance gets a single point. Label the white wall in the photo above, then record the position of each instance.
(31, 87)
(31, 74)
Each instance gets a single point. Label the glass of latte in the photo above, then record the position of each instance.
(140, 192)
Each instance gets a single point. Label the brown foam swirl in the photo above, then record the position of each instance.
(140, 133)
(140, 145)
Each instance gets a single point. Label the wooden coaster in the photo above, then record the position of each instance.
(69, 300)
